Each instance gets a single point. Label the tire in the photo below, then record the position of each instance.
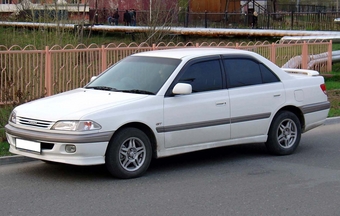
(284, 134)
(129, 154)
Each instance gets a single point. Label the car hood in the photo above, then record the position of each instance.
(74, 104)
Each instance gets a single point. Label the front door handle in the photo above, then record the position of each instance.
(221, 103)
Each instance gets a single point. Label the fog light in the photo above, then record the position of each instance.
(70, 148)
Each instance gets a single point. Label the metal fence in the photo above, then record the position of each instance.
(279, 20)
(27, 73)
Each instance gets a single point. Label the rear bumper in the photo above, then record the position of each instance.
(315, 119)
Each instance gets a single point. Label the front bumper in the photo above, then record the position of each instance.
(90, 148)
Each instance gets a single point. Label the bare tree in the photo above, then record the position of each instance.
(227, 5)
(163, 15)
(57, 13)
(274, 5)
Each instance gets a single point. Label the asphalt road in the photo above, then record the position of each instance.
(237, 180)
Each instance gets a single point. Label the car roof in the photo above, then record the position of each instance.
(180, 53)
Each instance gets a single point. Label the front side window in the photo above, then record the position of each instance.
(203, 76)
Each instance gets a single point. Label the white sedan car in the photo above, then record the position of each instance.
(162, 103)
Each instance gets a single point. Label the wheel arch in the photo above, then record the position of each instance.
(297, 111)
(143, 127)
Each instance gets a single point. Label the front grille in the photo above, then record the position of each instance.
(34, 122)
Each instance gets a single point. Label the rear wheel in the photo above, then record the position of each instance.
(284, 134)
(128, 154)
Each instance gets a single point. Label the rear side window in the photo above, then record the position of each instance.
(242, 72)
(245, 72)
(267, 75)
(203, 76)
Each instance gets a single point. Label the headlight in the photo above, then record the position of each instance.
(76, 125)
(13, 117)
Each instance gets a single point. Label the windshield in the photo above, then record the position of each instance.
(136, 74)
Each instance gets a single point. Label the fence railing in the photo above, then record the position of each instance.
(285, 20)
(27, 73)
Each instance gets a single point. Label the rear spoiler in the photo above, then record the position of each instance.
(301, 71)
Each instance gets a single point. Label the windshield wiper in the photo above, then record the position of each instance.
(105, 88)
(137, 91)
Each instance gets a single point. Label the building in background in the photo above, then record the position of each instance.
(37, 9)
(97, 11)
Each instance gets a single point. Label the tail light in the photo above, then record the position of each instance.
(323, 88)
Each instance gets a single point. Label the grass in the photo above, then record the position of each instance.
(334, 112)
(332, 85)
(4, 147)
(4, 114)
(333, 81)
(333, 90)
(40, 38)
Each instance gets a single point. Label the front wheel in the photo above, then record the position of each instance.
(128, 154)
(284, 134)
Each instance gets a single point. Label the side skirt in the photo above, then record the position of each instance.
(202, 146)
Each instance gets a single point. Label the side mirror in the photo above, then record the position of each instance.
(93, 78)
(182, 89)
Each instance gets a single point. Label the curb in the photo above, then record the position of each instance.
(21, 159)
(333, 120)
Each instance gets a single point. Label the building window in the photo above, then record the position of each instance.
(6, 1)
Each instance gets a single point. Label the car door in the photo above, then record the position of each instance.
(255, 95)
(200, 117)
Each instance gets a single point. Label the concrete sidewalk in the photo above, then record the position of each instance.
(21, 159)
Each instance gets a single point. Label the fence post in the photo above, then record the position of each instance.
(273, 53)
(186, 20)
(292, 21)
(246, 19)
(304, 63)
(104, 58)
(226, 18)
(329, 59)
(48, 76)
(319, 18)
(268, 19)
